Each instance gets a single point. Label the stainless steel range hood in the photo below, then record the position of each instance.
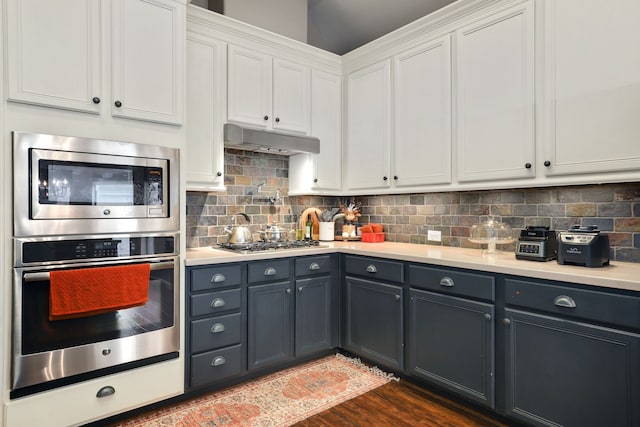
(253, 139)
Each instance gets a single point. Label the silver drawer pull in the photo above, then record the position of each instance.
(218, 361)
(217, 328)
(314, 266)
(371, 268)
(217, 303)
(447, 281)
(270, 271)
(564, 301)
(217, 278)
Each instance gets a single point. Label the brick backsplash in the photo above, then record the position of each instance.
(253, 178)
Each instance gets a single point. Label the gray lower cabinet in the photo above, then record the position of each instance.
(313, 315)
(374, 314)
(270, 324)
(451, 344)
(214, 324)
(451, 338)
(564, 365)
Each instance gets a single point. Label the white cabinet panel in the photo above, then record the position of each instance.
(290, 96)
(369, 122)
(206, 101)
(495, 97)
(54, 51)
(592, 86)
(249, 87)
(148, 60)
(422, 144)
(326, 113)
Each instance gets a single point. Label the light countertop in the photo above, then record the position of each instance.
(618, 275)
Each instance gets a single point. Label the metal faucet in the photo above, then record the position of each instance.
(276, 198)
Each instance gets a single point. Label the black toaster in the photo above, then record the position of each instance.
(537, 243)
(584, 246)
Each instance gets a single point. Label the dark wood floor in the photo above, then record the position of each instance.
(401, 404)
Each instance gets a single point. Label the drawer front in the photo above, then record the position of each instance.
(216, 277)
(266, 271)
(472, 285)
(622, 310)
(313, 265)
(215, 302)
(216, 365)
(373, 268)
(217, 332)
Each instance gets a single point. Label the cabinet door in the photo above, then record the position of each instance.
(592, 85)
(561, 372)
(326, 124)
(206, 101)
(374, 321)
(369, 122)
(495, 97)
(441, 326)
(54, 53)
(148, 57)
(313, 315)
(249, 87)
(290, 96)
(422, 88)
(270, 315)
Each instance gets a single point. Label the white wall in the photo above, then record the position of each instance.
(285, 17)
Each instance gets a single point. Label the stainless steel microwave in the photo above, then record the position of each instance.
(70, 185)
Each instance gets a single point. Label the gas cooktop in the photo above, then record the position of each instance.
(269, 246)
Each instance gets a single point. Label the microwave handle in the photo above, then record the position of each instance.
(43, 276)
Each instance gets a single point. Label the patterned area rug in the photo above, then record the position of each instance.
(279, 399)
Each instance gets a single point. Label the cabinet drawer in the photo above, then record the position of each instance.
(472, 285)
(216, 365)
(374, 268)
(313, 265)
(266, 271)
(215, 302)
(216, 277)
(622, 310)
(217, 332)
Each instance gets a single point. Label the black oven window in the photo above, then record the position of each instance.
(39, 334)
(76, 183)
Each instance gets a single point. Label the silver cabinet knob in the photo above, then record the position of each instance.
(506, 321)
(447, 282)
(299, 288)
(218, 278)
(217, 328)
(397, 297)
(288, 290)
(217, 303)
(218, 361)
(487, 316)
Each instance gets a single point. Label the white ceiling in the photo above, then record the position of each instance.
(340, 26)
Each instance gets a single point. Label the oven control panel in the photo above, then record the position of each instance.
(95, 249)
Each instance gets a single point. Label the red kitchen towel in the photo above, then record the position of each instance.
(88, 291)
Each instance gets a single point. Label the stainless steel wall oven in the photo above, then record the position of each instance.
(68, 249)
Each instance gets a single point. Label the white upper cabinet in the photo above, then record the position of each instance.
(206, 96)
(326, 124)
(148, 60)
(290, 96)
(369, 127)
(422, 115)
(494, 82)
(592, 86)
(54, 51)
(267, 92)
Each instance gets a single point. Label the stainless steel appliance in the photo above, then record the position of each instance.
(584, 246)
(537, 243)
(48, 354)
(68, 185)
(81, 207)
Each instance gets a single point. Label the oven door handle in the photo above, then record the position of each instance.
(43, 276)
